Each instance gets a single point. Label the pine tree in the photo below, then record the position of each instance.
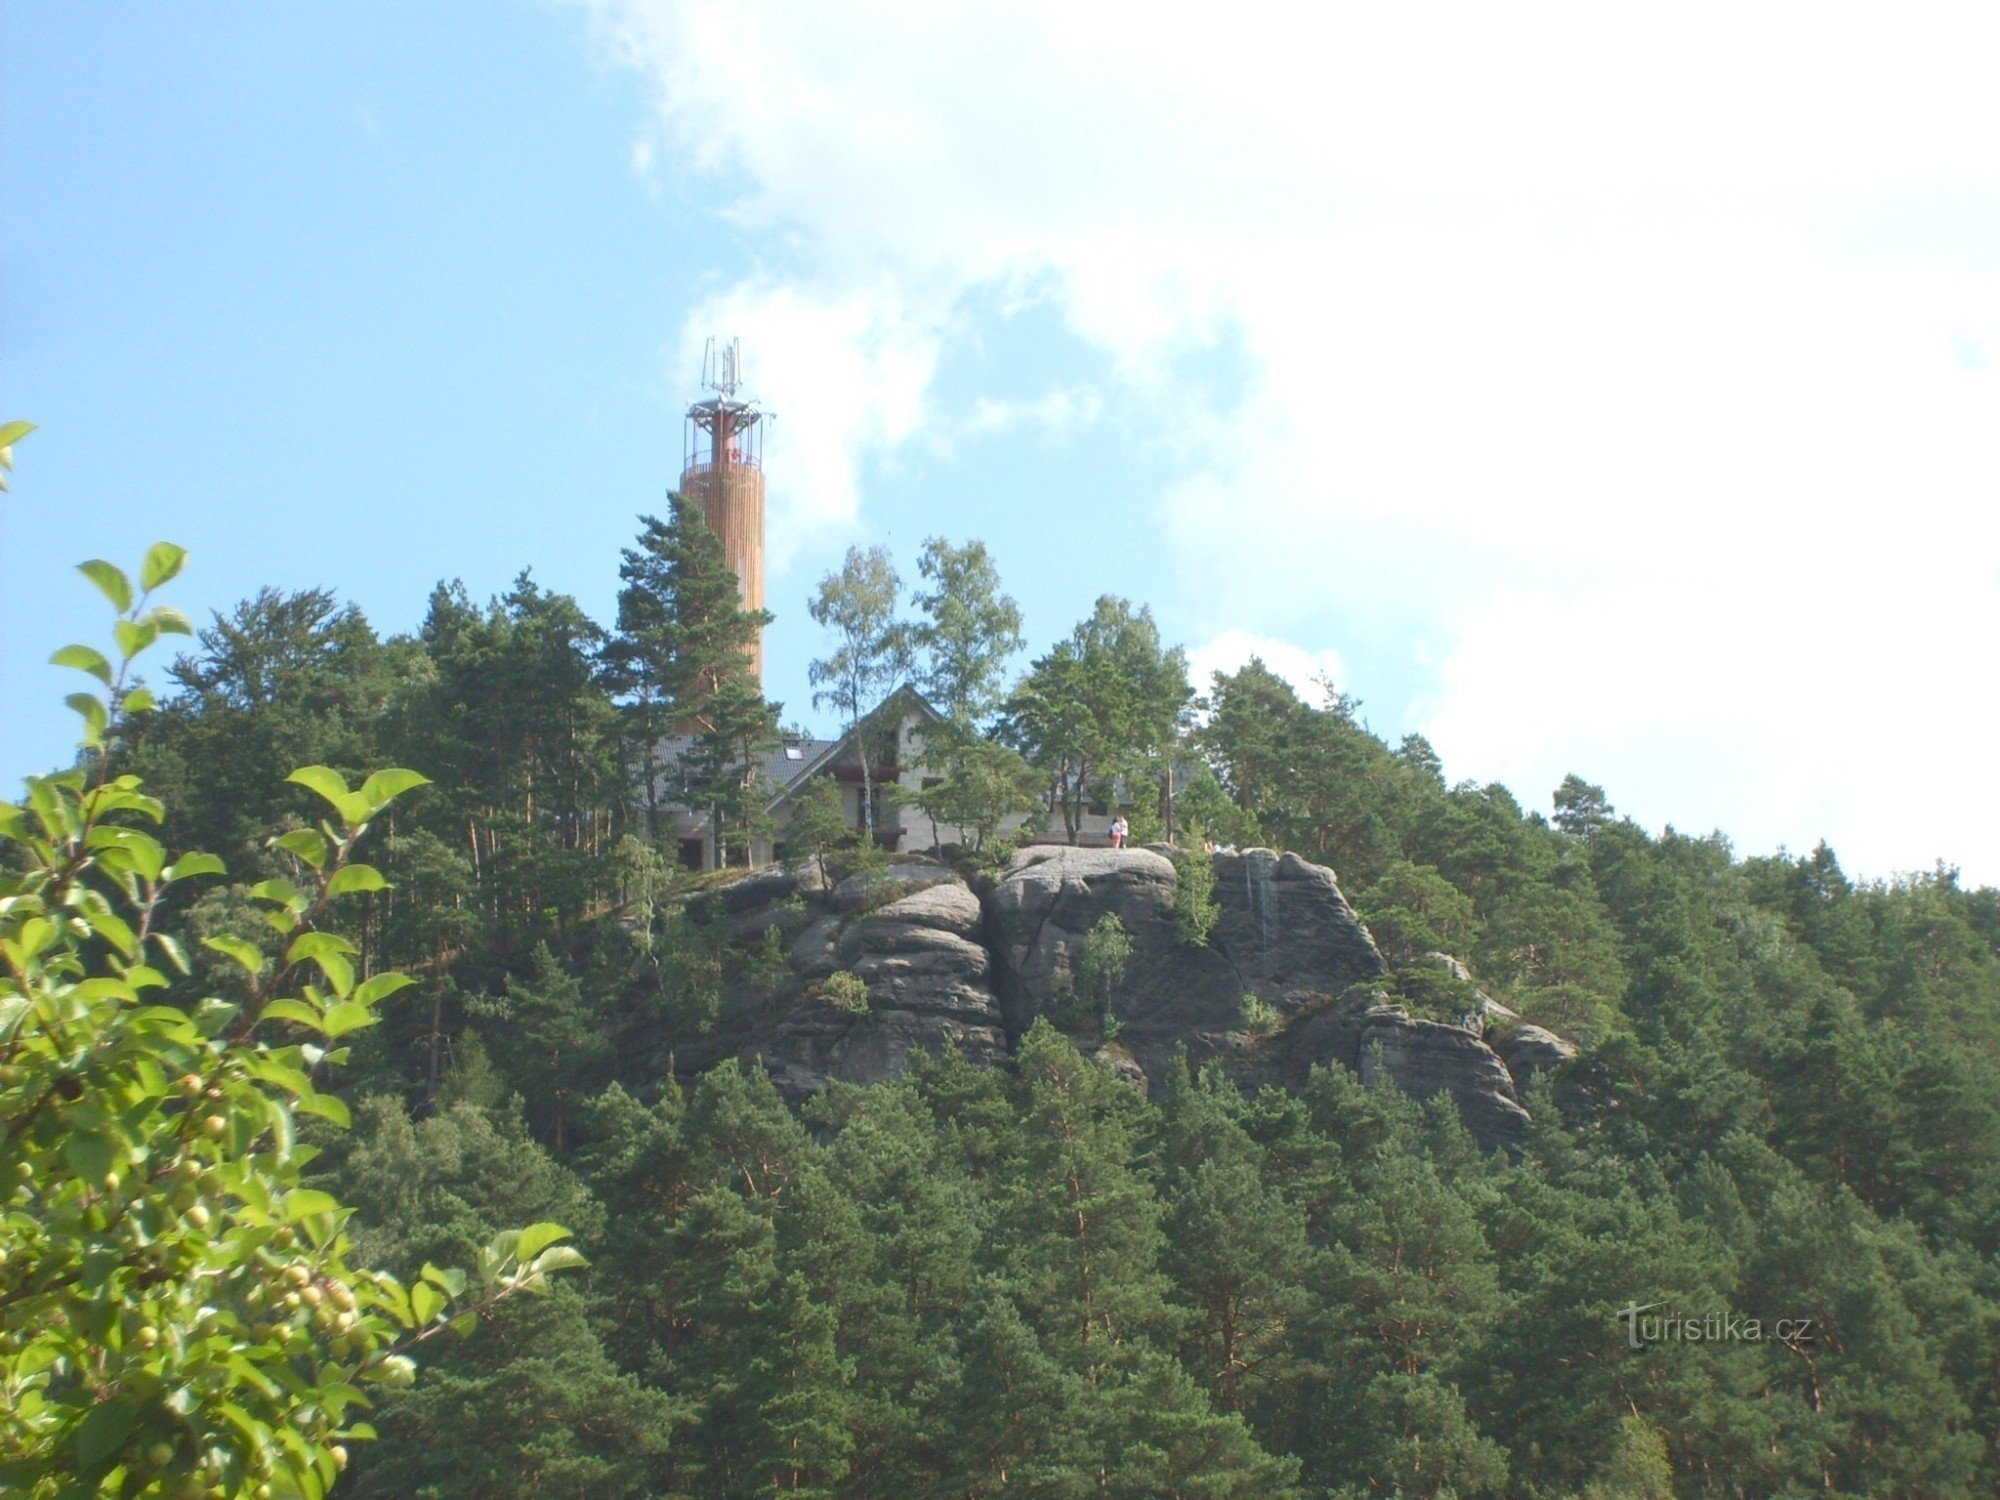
(681, 656)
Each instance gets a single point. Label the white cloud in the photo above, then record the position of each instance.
(1056, 412)
(1595, 346)
(1231, 651)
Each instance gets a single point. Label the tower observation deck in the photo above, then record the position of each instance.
(723, 472)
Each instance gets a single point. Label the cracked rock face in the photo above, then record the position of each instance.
(1283, 933)
(1423, 1058)
(928, 979)
(1287, 930)
(944, 968)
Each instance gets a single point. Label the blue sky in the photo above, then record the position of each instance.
(1587, 394)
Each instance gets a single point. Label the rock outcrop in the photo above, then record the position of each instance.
(1283, 934)
(910, 933)
(1528, 1050)
(944, 966)
(1287, 930)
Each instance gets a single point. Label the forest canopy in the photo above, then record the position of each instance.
(1034, 1279)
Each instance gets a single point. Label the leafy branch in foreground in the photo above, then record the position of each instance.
(178, 1315)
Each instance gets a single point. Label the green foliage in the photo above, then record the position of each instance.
(1260, 1018)
(1107, 950)
(847, 991)
(982, 786)
(969, 633)
(1638, 1469)
(682, 658)
(1412, 910)
(1104, 704)
(1307, 779)
(818, 825)
(871, 649)
(181, 1311)
(1195, 909)
(1205, 813)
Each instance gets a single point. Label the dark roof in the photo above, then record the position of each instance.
(905, 696)
(794, 760)
(790, 760)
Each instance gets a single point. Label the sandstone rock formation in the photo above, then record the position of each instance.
(911, 933)
(1528, 1050)
(944, 967)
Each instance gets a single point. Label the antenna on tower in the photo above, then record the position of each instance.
(722, 470)
(722, 369)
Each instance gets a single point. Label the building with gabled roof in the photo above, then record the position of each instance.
(899, 721)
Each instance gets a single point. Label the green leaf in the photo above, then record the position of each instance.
(292, 1010)
(35, 934)
(138, 701)
(163, 563)
(346, 1017)
(246, 954)
(167, 620)
(537, 1238)
(303, 1203)
(265, 1067)
(134, 636)
(100, 1435)
(111, 582)
(374, 991)
(90, 1155)
(12, 433)
(561, 1258)
(314, 945)
(339, 972)
(355, 878)
(279, 893)
(84, 659)
(327, 1107)
(384, 787)
(196, 864)
(426, 1302)
(95, 716)
(106, 989)
(307, 843)
(171, 946)
(328, 782)
(116, 931)
(146, 853)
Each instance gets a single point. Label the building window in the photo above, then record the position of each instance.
(794, 750)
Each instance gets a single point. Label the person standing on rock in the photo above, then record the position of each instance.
(1120, 829)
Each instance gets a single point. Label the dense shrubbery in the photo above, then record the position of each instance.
(181, 1313)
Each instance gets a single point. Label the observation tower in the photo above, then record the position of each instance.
(723, 473)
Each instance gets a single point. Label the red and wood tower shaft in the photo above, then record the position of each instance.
(723, 473)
